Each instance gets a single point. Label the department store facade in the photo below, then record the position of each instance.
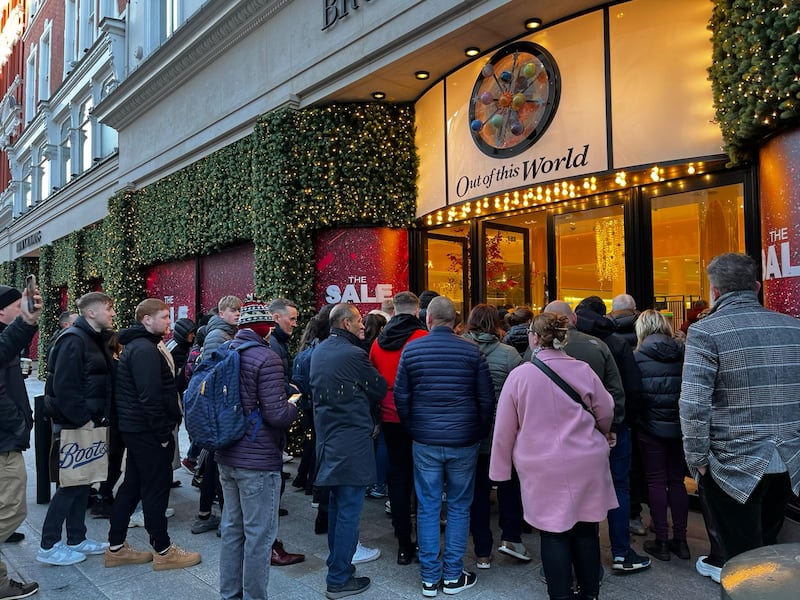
(579, 157)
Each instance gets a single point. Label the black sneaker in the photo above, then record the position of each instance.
(353, 586)
(429, 590)
(658, 549)
(466, 581)
(630, 562)
(13, 590)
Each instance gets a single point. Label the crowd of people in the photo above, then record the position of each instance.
(572, 416)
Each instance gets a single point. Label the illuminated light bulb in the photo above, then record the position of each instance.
(586, 185)
(525, 202)
(539, 190)
(556, 191)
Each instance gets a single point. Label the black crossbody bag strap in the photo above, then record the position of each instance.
(568, 389)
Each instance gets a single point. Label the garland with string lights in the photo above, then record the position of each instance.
(298, 172)
(755, 71)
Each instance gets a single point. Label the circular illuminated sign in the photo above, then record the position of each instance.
(514, 99)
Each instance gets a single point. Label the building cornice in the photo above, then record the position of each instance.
(198, 42)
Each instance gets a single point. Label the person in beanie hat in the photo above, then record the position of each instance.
(254, 462)
(183, 333)
(17, 328)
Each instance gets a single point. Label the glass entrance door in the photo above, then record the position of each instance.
(590, 254)
(447, 266)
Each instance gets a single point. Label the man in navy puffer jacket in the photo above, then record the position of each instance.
(444, 397)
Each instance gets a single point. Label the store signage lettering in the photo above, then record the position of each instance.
(335, 294)
(30, 241)
(770, 265)
(336, 10)
(530, 170)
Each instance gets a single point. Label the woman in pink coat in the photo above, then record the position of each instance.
(560, 451)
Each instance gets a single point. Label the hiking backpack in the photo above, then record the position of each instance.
(212, 409)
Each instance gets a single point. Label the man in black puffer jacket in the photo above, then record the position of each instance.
(591, 319)
(77, 392)
(147, 408)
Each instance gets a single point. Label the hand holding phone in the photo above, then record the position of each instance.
(30, 288)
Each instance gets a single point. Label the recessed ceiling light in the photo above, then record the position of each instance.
(472, 51)
(533, 24)
(379, 95)
(422, 75)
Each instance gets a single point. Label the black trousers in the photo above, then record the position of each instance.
(400, 479)
(578, 548)
(755, 523)
(68, 504)
(210, 487)
(148, 477)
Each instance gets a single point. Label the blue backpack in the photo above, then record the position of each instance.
(212, 409)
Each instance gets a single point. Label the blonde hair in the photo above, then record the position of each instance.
(551, 328)
(650, 322)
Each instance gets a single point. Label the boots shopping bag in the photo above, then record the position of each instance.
(83, 455)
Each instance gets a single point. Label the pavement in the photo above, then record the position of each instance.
(507, 578)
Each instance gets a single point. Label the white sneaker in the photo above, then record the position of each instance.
(708, 570)
(287, 457)
(365, 555)
(137, 518)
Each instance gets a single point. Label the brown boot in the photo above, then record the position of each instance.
(282, 558)
(175, 558)
(126, 556)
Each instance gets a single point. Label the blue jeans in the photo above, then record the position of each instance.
(344, 513)
(249, 526)
(618, 518)
(433, 467)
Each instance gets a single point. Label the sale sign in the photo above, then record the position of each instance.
(362, 266)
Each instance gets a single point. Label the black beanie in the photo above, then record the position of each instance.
(182, 329)
(8, 295)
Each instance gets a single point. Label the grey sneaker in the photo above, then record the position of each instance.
(12, 590)
(202, 525)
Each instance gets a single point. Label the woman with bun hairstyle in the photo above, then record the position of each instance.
(557, 443)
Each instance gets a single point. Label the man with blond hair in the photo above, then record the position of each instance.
(147, 409)
(222, 326)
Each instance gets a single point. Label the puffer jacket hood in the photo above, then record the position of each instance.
(594, 324)
(398, 330)
(517, 337)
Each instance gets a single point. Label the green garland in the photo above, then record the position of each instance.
(297, 173)
(755, 71)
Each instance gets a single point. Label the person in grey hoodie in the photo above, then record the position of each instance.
(222, 327)
(484, 328)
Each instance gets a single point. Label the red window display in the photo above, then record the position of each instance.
(228, 273)
(174, 283)
(360, 265)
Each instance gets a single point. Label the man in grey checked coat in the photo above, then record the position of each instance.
(740, 407)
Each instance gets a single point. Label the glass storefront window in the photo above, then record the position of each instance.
(689, 229)
(590, 254)
(516, 260)
(447, 264)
